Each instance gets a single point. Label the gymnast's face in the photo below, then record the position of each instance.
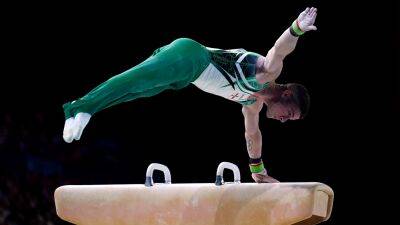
(283, 111)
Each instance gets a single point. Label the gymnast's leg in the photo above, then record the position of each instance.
(173, 66)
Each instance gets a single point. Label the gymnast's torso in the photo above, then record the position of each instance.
(231, 74)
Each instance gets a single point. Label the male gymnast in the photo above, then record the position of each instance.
(236, 74)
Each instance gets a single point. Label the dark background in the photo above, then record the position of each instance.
(56, 53)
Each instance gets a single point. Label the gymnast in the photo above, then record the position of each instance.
(241, 76)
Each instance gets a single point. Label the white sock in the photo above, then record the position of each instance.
(81, 120)
(68, 130)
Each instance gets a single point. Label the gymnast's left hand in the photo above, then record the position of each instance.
(307, 18)
(263, 177)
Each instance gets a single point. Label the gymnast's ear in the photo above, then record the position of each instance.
(287, 93)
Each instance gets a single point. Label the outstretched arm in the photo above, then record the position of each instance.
(286, 43)
(254, 142)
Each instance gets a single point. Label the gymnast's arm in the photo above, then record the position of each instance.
(254, 138)
(286, 43)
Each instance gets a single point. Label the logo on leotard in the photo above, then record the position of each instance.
(236, 96)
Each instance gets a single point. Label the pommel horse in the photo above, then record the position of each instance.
(219, 203)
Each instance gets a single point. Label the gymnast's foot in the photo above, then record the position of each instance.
(80, 122)
(74, 127)
(68, 130)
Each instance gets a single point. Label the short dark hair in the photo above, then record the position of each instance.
(300, 97)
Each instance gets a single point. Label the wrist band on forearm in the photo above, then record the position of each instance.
(257, 167)
(295, 29)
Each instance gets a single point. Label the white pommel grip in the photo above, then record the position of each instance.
(220, 170)
(149, 174)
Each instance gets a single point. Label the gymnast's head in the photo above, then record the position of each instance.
(286, 101)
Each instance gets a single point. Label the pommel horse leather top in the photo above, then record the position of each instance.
(219, 203)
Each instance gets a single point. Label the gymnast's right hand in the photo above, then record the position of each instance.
(263, 177)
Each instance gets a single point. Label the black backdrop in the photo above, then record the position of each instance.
(56, 53)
